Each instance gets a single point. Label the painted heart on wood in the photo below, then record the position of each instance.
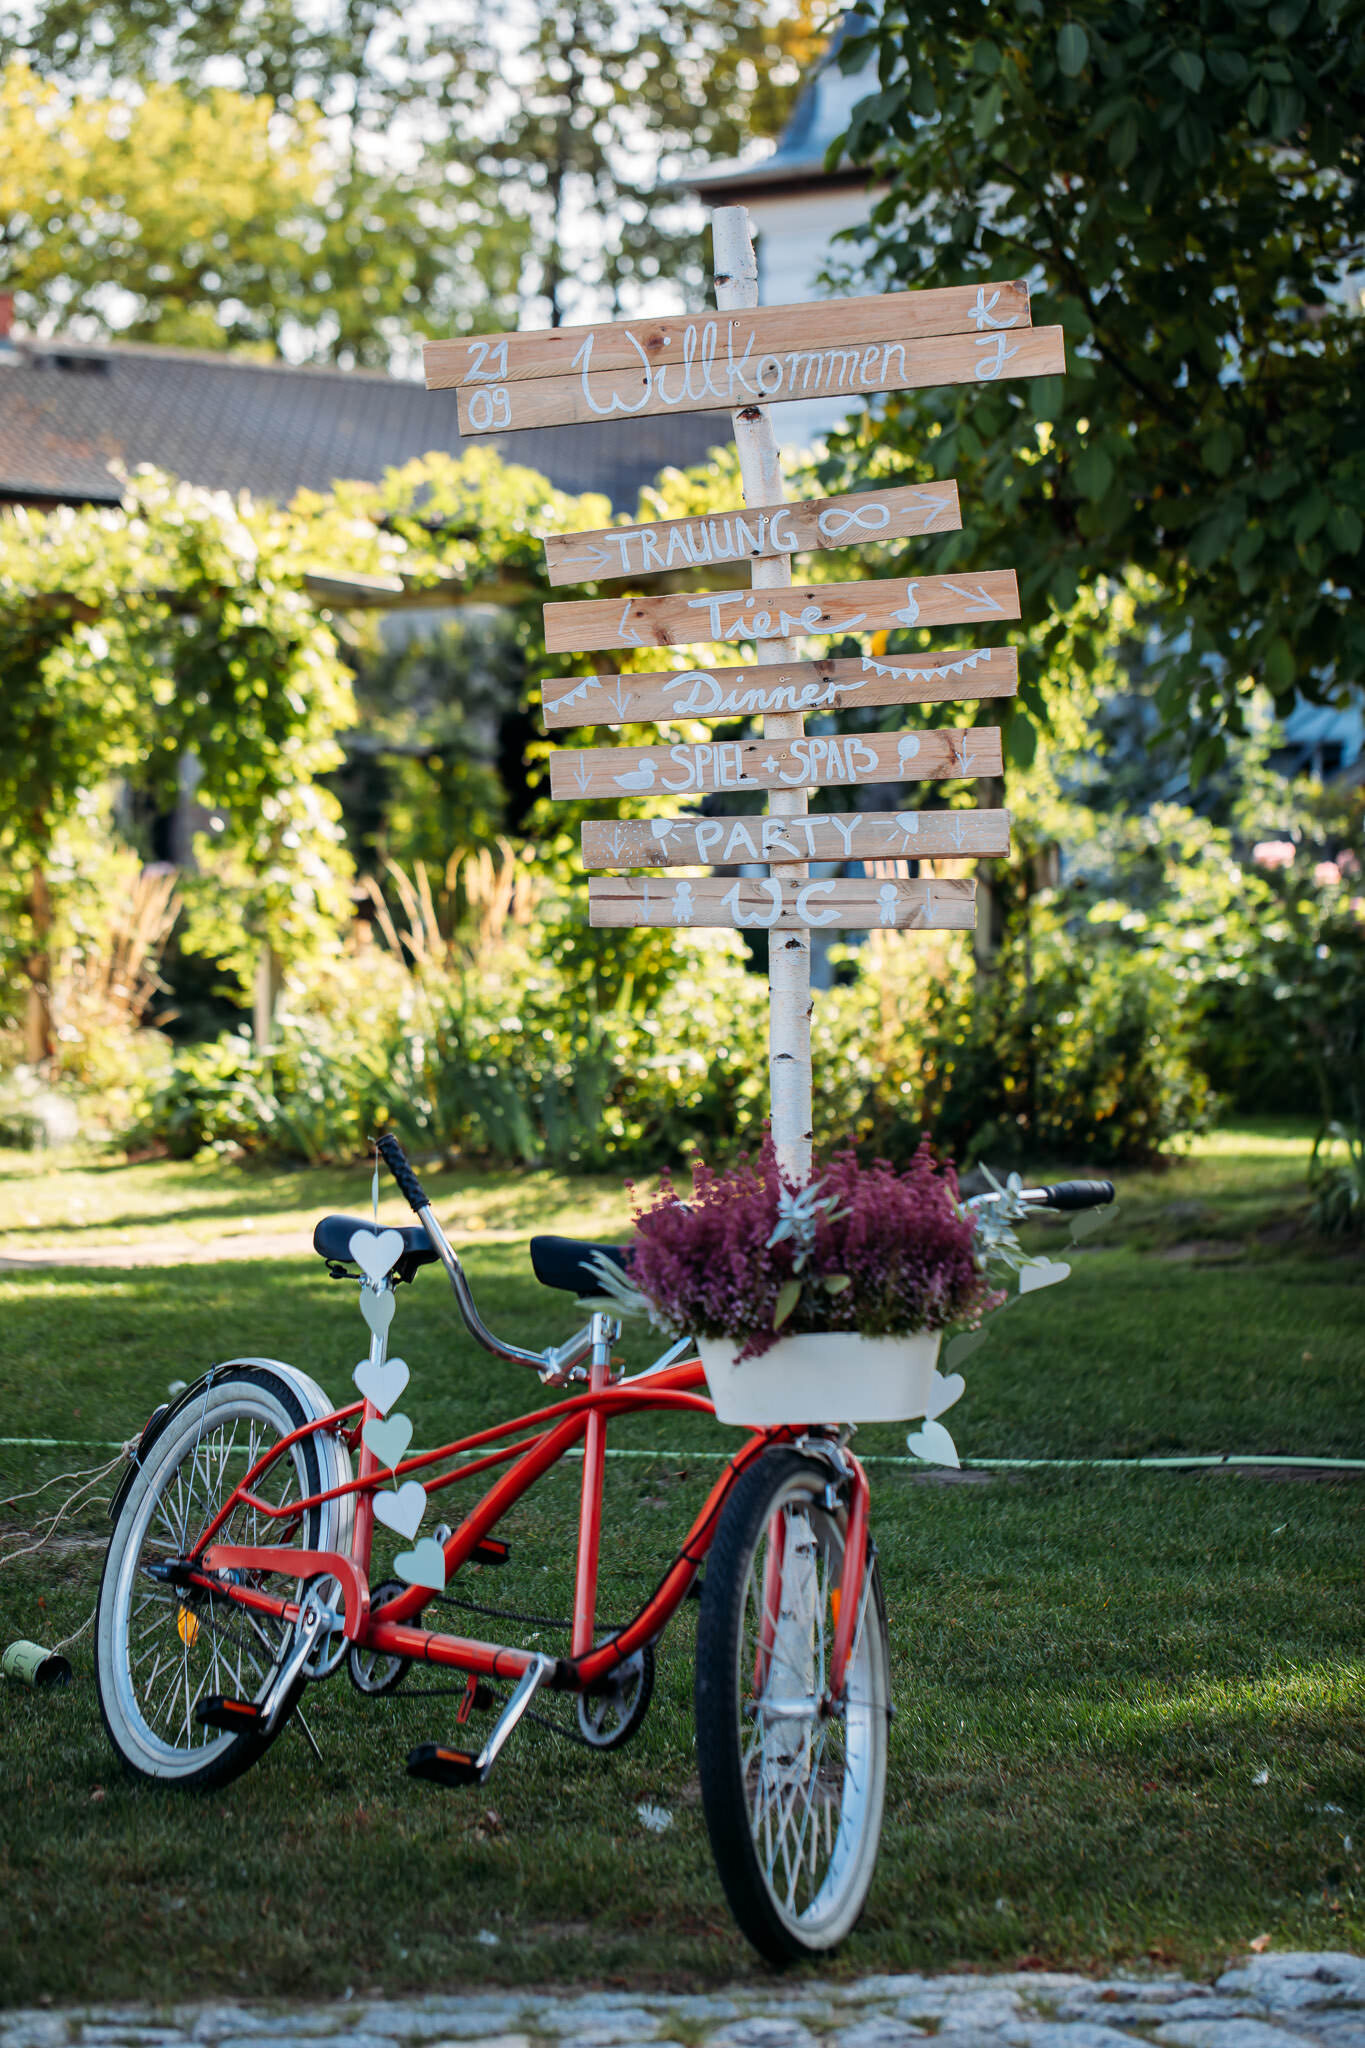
(382, 1384)
(388, 1440)
(934, 1445)
(423, 1565)
(944, 1389)
(402, 1510)
(1042, 1273)
(377, 1310)
(376, 1252)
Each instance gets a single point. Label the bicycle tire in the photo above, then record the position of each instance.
(752, 1762)
(220, 1649)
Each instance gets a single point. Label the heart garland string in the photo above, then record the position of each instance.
(382, 1381)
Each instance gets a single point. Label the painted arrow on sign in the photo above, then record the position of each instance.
(759, 615)
(777, 904)
(814, 761)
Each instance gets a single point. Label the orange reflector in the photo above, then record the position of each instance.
(187, 1627)
(834, 1593)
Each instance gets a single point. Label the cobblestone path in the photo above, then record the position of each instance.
(1268, 2001)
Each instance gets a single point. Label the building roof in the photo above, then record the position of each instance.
(821, 114)
(70, 409)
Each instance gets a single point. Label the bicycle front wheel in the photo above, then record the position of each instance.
(792, 1792)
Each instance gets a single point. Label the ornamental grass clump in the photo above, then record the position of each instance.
(862, 1248)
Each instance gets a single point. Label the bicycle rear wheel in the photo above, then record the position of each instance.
(160, 1650)
(792, 1795)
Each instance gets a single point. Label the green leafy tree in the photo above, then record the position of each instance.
(466, 165)
(1181, 184)
(217, 219)
(609, 100)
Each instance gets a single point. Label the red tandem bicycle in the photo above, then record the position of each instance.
(222, 1596)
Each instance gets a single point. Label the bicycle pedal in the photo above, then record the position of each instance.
(488, 1550)
(441, 1766)
(219, 1711)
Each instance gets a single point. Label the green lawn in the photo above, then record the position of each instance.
(1092, 1669)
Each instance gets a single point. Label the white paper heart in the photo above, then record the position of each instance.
(376, 1252)
(388, 1440)
(934, 1445)
(944, 1389)
(1042, 1273)
(377, 1310)
(423, 1565)
(382, 1384)
(962, 1348)
(402, 1511)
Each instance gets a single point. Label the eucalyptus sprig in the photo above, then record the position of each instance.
(798, 1218)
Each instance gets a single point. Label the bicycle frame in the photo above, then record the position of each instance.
(556, 1430)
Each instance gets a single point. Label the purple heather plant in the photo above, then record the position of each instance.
(881, 1252)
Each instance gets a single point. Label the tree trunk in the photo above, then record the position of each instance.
(265, 995)
(39, 1041)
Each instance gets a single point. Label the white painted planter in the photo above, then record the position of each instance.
(822, 1376)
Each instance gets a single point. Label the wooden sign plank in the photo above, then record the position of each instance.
(723, 378)
(827, 835)
(677, 342)
(778, 904)
(716, 615)
(960, 675)
(813, 761)
(749, 535)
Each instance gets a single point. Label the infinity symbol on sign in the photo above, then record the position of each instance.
(870, 517)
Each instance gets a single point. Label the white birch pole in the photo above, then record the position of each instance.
(789, 991)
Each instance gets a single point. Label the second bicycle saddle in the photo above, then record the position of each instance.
(564, 1262)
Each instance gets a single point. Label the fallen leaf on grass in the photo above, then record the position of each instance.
(657, 1819)
(1260, 1945)
(1262, 1777)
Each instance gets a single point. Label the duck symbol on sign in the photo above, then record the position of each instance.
(636, 778)
(908, 615)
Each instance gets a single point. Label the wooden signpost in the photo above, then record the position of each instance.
(842, 347)
(727, 842)
(806, 761)
(742, 358)
(716, 615)
(777, 904)
(962, 675)
(746, 536)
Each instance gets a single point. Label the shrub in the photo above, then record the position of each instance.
(1068, 1052)
(212, 1095)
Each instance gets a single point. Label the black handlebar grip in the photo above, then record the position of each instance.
(1080, 1194)
(394, 1157)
